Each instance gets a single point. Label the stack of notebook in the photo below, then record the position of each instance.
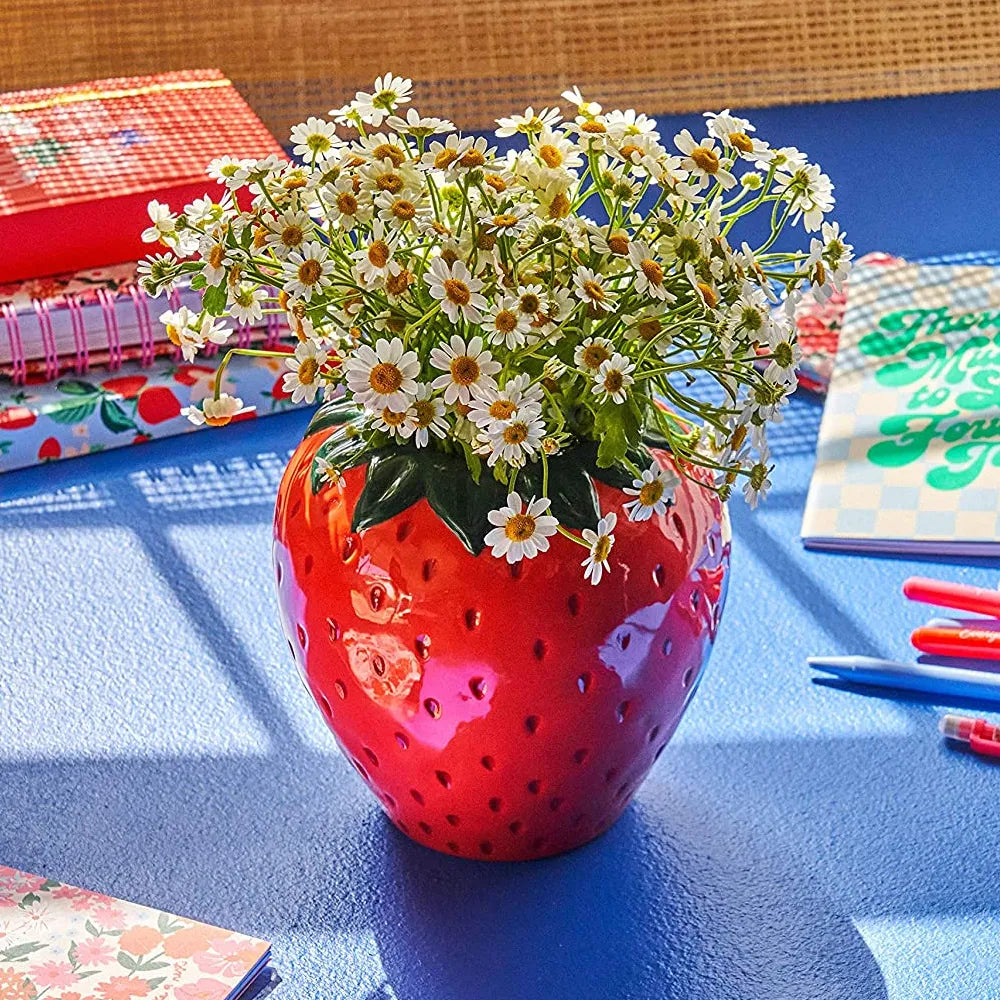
(84, 363)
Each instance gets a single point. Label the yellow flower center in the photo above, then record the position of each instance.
(310, 272)
(347, 203)
(652, 271)
(650, 493)
(387, 151)
(424, 411)
(392, 183)
(705, 159)
(741, 141)
(515, 433)
(602, 548)
(618, 244)
(708, 294)
(217, 256)
(378, 253)
(173, 335)
(627, 151)
(502, 409)
(594, 355)
(530, 303)
(392, 418)
(505, 220)
(593, 127)
(473, 158)
(550, 155)
(293, 184)
(649, 328)
(218, 421)
(404, 210)
(260, 237)
(308, 370)
(457, 291)
(613, 381)
(485, 240)
(291, 236)
(560, 206)
(505, 321)
(520, 527)
(397, 284)
(594, 291)
(465, 369)
(445, 158)
(496, 182)
(385, 378)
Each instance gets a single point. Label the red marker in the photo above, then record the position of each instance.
(982, 736)
(971, 643)
(981, 600)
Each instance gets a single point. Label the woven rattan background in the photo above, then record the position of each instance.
(475, 60)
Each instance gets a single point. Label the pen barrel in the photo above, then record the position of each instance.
(953, 595)
(977, 644)
(964, 685)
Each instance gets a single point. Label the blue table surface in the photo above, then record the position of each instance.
(796, 840)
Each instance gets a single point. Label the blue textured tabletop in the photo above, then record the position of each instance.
(794, 841)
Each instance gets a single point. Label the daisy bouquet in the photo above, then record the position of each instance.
(493, 330)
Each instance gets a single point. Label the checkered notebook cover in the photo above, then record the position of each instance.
(908, 458)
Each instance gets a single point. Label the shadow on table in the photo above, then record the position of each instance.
(641, 913)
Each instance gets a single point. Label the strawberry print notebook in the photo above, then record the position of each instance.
(908, 458)
(58, 942)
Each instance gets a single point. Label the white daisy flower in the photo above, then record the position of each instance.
(649, 272)
(757, 484)
(530, 300)
(735, 132)
(288, 231)
(203, 212)
(395, 423)
(246, 303)
(329, 473)
(613, 379)
(830, 257)
(702, 160)
(466, 366)
(590, 289)
(419, 128)
(307, 271)
(213, 255)
(513, 440)
(343, 203)
(158, 273)
(314, 138)
(809, 193)
(164, 223)
(181, 332)
(214, 412)
(375, 262)
(511, 221)
(399, 210)
(506, 323)
(426, 416)
(528, 123)
(521, 532)
(586, 108)
(600, 542)
(557, 152)
(388, 91)
(628, 123)
(457, 290)
(383, 377)
(444, 156)
(230, 171)
(303, 379)
(517, 399)
(653, 493)
(591, 353)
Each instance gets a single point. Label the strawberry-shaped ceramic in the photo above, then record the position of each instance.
(497, 712)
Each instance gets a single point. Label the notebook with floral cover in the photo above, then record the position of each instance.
(908, 458)
(58, 942)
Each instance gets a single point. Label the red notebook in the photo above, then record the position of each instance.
(79, 164)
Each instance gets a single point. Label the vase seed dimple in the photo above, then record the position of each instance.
(622, 711)
(531, 724)
(422, 644)
(573, 603)
(426, 827)
(452, 819)
(376, 597)
(515, 827)
(487, 762)
(334, 630)
(653, 733)
(583, 683)
(325, 705)
(360, 768)
(452, 846)
(581, 755)
(486, 847)
(279, 572)
(429, 569)
(301, 633)
(349, 549)
(370, 754)
(538, 843)
(444, 778)
(659, 750)
(555, 803)
(477, 685)
(659, 575)
(307, 564)
(432, 708)
(404, 743)
(667, 646)
(403, 531)
(611, 774)
(417, 797)
(495, 804)
(624, 639)
(688, 677)
(534, 786)
(340, 689)
(539, 649)
(472, 618)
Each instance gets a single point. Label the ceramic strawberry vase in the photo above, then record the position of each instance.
(496, 711)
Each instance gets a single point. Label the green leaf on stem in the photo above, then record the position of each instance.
(213, 300)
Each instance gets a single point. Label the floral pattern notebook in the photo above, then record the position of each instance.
(58, 942)
(908, 458)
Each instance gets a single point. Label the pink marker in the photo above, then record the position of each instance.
(980, 600)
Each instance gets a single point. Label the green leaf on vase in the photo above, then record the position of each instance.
(333, 414)
(458, 501)
(571, 489)
(393, 482)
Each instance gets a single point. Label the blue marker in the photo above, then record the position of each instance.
(953, 682)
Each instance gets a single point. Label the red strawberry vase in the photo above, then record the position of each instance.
(497, 712)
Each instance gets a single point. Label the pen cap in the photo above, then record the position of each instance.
(956, 727)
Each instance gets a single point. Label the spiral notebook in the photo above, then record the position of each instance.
(908, 458)
(61, 941)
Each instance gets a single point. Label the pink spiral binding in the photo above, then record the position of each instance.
(273, 335)
(82, 363)
(147, 340)
(244, 332)
(18, 361)
(48, 339)
(107, 301)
